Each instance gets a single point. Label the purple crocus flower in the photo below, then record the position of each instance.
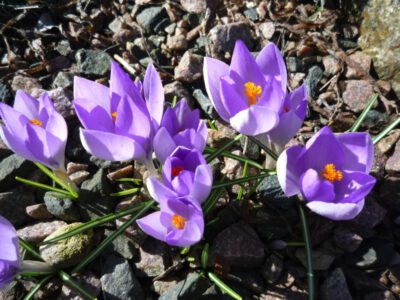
(185, 173)
(330, 172)
(9, 254)
(34, 130)
(178, 223)
(118, 123)
(180, 126)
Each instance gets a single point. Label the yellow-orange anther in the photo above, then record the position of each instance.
(178, 221)
(114, 116)
(176, 171)
(36, 122)
(252, 92)
(330, 173)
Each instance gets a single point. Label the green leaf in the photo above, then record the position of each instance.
(264, 147)
(236, 157)
(204, 257)
(363, 115)
(44, 186)
(212, 200)
(386, 131)
(216, 153)
(244, 174)
(243, 180)
(223, 286)
(74, 285)
(125, 192)
(37, 287)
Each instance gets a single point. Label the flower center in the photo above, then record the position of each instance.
(252, 92)
(286, 109)
(330, 173)
(114, 116)
(178, 221)
(36, 122)
(176, 171)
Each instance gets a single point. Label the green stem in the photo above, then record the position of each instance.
(74, 285)
(43, 186)
(37, 287)
(363, 115)
(219, 283)
(242, 180)
(236, 157)
(306, 237)
(215, 154)
(381, 135)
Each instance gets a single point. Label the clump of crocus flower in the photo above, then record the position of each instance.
(9, 254)
(251, 94)
(330, 172)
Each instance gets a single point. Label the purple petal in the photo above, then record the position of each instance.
(315, 188)
(213, 70)
(53, 122)
(182, 184)
(289, 170)
(298, 99)
(193, 159)
(121, 84)
(163, 144)
(358, 151)
(110, 146)
(93, 91)
(244, 64)
(353, 187)
(254, 120)
(322, 149)
(233, 101)
(9, 242)
(189, 138)
(272, 96)
(271, 63)
(336, 211)
(13, 120)
(26, 105)
(289, 125)
(93, 116)
(202, 183)
(154, 93)
(152, 225)
(16, 143)
(158, 191)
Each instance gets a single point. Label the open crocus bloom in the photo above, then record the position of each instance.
(180, 126)
(178, 223)
(185, 173)
(331, 173)
(34, 130)
(249, 94)
(9, 254)
(118, 123)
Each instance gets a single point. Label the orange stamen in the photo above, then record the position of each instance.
(36, 122)
(330, 173)
(176, 171)
(114, 116)
(286, 109)
(178, 221)
(252, 92)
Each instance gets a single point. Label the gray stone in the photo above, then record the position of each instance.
(5, 93)
(70, 251)
(272, 269)
(93, 62)
(312, 80)
(123, 246)
(383, 295)
(387, 143)
(247, 278)
(98, 184)
(238, 245)
(87, 280)
(64, 80)
(361, 68)
(393, 163)
(267, 30)
(150, 17)
(361, 283)
(294, 64)
(251, 14)
(21, 82)
(61, 207)
(271, 192)
(63, 47)
(189, 288)
(380, 39)
(371, 215)
(223, 37)
(13, 205)
(204, 102)
(357, 94)
(118, 280)
(346, 239)
(154, 258)
(331, 64)
(335, 287)
(61, 99)
(199, 6)
(13, 166)
(38, 211)
(250, 149)
(321, 259)
(190, 68)
(39, 231)
(177, 42)
(375, 119)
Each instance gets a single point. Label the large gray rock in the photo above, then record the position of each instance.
(118, 280)
(93, 62)
(10, 167)
(380, 38)
(335, 287)
(150, 17)
(61, 207)
(13, 204)
(189, 288)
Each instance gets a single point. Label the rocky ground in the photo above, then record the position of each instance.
(344, 53)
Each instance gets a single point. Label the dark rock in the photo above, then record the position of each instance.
(238, 245)
(357, 94)
(190, 68)
(251, 149)
(189, 288)
(371, 215)
(389, 194)
(224, 37)
(269, 225)
(393, 163)
(50, 290)
(150, 17)
(13, 166)
(221, 135)
(383, 295)
(387, 143)
(373, 253)
(346, 239)
(204, 102)
(335, 287)
(4, 150)
(123, 246)
(375, 119)
(118, 281)
(361, 283)
(251, 14)
(272, 269)
(21, 82)
(87, 280)
(38, 232)
(13, 205)
(10, 292)
(314, 76)
(5, 94)
(64, 80)
(98, 184)
(294, 64)
(160, 27)
(38, 211)
(270, 191)
(199, 6)
(322, 259)
(93, 62)
(247, 278)
(61, 207)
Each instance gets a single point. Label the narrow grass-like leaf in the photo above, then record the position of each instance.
(74, 285)
(216, 153)
(174, 100)
(236, 157)
(133, 180)
(223, 286)
(386, 131)
(29, 249)
(204, 257)
(212, 200)
(125, 192)
(37, 287)
(244, 174)
(95, 223)
(364, 113)
(44, 186)
(242, 180)
(265, 148)
(107, 241)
